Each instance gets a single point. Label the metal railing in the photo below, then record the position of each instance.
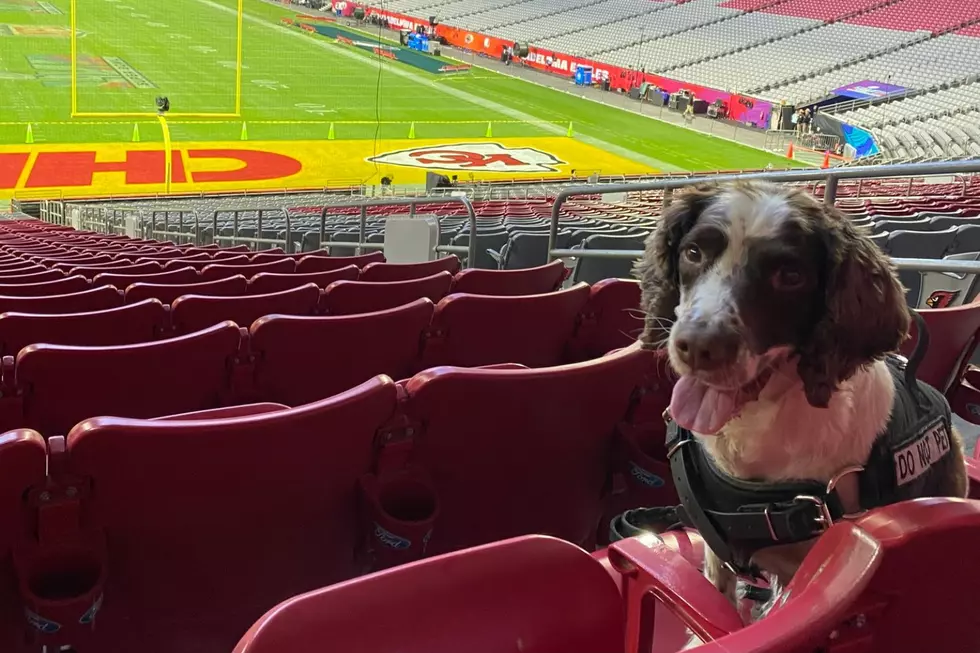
(161, 223)
(830, 179)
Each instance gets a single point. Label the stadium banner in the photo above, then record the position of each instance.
(861, 140)
(131, 169)
(396, 20)
(869, 90)
(426, 62)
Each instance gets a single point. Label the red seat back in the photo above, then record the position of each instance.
(63, 385)
(513, 452)
(532, 594)
(37, 277)
(315, 263)
(303, 359)
(611, 319)
(266, 282)
(195, 312)
(533, 330)
(59, 286)
(406, 271)
(217, 271)
(150, 267)
(24, 270)
(201, 263)
(530, 281)
(246, 512)
(350, 297)
(122, 280)
(167, 293)
(95, 299)
(952, 339)
(141, 322)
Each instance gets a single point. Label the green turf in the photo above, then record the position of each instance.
(294, 86)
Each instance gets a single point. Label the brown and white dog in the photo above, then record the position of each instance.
(777, 313)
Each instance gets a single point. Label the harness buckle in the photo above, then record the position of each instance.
(826, 520)
(772, 531)
(667, 417)
(677, 445)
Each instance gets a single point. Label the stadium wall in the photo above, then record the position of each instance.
(745, 109)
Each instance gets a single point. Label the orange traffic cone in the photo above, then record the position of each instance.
(789, 151)
(826, 160)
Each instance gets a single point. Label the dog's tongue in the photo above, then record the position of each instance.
(700, 408)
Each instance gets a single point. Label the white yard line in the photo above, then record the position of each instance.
(457, 93)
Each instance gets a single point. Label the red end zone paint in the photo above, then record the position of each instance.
(77, 169)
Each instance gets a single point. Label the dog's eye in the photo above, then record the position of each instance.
(693, 253)
(788, 278)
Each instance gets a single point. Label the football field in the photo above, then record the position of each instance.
(343, 113)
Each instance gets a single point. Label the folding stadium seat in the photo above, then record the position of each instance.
(151, 267)
(96, 299)
(267, 282)
(918, 244)
(132, 323)
(76, 259)
(526, 250)
(302, 359)
(245, 512)
(267, 256)
(532, 330)
(967, 239)
(610, 320)
(58, 386)
(217, 271)
(27, 270)
(312, 263)
(60, 286)
(905, 225)
(170, 256)
(529, 281)
(66, 265)
(195, 312)
(176, 263)
(14, 264)
(348, 297)
(953, 336)
(167, 293)
(23, 465)
(408, 271)
(122, 280)
(592, 270)
(37, 277)
(516, 425)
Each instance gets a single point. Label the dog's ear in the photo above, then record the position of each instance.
(657, 270)
(865, 313)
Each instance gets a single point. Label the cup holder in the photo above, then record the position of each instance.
(402, 509)
(407, 500)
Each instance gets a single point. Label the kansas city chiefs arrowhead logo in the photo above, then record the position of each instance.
(473, 157)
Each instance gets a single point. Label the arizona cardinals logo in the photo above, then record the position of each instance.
(473, 157)
(942, 298)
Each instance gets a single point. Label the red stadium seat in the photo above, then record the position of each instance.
(303, 359)
(167, 293)
(244, 410)
(533, 330)
(150, 267)
(64, 385)
(60, 286)
(349, 297)
(96, 299)
(217, 271)
(266, 282)
(532, 594)
(13, 263)
(407, 271)
(314, 263)
(165, 257)
(25, 270)
(37, 277)
(246, 512)
(141, 322)
(537, 444)
(200, 264)
(952, 338)
(102, 266)
(122, 280)
(530, 281)
(611, 319)
(196, 312)
(266, 256)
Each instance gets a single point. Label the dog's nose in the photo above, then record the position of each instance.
(707, 346)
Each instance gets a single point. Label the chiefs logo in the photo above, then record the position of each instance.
(468, 39)
(942, 298)
(473, 157)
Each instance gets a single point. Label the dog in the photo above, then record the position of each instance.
(780, 316)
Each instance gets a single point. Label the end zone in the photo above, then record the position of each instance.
(98, 170)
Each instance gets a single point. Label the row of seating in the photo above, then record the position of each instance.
(282, 358)
(193, 525)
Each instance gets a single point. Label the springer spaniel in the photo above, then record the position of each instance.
(778, 315)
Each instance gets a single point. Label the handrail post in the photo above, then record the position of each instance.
(362, 234)
(323, 225)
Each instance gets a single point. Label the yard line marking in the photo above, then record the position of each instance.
(455, 92)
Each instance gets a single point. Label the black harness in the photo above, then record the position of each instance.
(736, 518)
